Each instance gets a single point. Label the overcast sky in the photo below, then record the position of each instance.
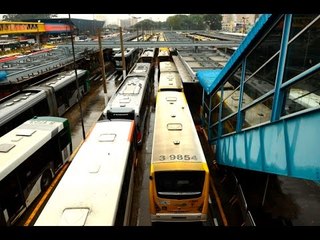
(114, 18)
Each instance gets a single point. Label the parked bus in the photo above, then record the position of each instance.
(131, 99)
(167, 66)
(97, 188)
(31, 155)
(64, 88)
(164, 54)
(52, 96)
(169, 79)
(179, 174)
(148, 55)
(131, 56)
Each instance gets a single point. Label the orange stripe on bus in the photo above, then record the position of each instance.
(46, 195)
(132, 128)
(53, 184)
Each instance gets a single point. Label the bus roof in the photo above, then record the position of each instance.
(167, 66)
(89, 191)
(16, 103)
(148, 52)
(126, 52)
(62, 79)
(170, 80)
(140, 68)
(129, 94)
(20, 143)
(175, 137)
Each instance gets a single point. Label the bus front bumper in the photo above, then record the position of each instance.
(178, 217)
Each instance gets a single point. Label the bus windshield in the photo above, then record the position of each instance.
(180, 184)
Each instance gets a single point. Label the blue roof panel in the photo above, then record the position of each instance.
(207, 78)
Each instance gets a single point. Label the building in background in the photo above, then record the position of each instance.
(125, 23)
(240, 23)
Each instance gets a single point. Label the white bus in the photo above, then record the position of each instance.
(131, 99)
(30, 157)
(52, 96)
(97, 188)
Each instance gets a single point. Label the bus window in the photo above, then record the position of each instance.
(179, 185)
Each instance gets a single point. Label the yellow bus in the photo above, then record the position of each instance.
(179, 174)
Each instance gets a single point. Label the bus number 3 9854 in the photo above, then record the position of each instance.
(177, 157)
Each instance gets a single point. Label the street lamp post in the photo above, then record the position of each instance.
(77, 83)
(38, 36)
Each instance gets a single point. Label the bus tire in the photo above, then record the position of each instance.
(46, 179)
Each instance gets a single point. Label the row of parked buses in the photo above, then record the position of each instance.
(97, 188)
(95, 192)
(32, 151)
(56, 94)
(52, 96)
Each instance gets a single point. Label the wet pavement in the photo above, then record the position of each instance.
(140, 207)
(273, 200)
(305, 195)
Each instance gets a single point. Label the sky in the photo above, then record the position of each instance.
(114, 18)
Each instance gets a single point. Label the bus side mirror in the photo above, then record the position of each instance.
(150, 177)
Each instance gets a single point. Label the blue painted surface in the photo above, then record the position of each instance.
(289, 147)
(279, 95)
(3, 75)
(255, 157)
(239, 115)
(274, 149)
(207, 78)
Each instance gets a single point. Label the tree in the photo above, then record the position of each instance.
(21, 17)
(179, 22)
(145, 24)
(213, 21)
(186, 22)
(197, 22)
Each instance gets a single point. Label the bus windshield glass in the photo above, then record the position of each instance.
(180, 184)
